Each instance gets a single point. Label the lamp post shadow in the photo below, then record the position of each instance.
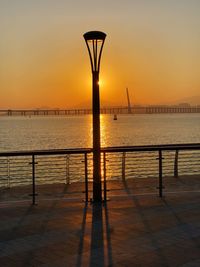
(97, 236)
(100, 249)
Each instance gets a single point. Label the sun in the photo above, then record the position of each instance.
(100, 82)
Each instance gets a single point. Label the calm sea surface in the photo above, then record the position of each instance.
(27, 133)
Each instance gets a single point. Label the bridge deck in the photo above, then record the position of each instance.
(109, 110)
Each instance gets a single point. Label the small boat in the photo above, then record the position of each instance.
(115, 117)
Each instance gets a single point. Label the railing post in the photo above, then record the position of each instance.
(123, 165)
(67, 170)
(104, 177)
(33, 180)
(160, 174)
(8, 172)
(176, 163)
(86, 178)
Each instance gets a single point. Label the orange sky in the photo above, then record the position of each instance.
(152, 47)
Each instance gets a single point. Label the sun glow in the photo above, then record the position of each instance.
(103, 81)
(100, 82)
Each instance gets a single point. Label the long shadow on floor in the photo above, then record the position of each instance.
(140, 210)
(100, 240)
(82, 235)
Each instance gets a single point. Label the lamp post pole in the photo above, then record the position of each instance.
(95, 41)
(97, 190)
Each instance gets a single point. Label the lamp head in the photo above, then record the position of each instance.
(94, 35)
(95, 41)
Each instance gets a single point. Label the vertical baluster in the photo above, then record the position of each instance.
(123, 165)
(33, 180)
(104, 176)
(176, 163)
(160, 174)
(8, 172)
(86, 178)
(67, 169)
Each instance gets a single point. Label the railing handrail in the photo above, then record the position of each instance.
(190, 146)
(46, 152)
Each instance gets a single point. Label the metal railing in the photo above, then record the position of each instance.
(152, 161)
(44, 167)
(118, 163)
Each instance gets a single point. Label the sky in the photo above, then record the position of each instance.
(152, 47)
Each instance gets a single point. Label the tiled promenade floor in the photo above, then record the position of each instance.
(134, 228)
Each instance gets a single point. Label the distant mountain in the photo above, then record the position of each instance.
(43, 107)
(193, 100)
(88, 104)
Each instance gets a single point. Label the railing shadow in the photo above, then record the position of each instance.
(144, 219)
(125, 184)
(82, 234)
(186, 228)
(108, 236)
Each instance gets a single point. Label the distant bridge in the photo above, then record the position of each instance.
(108, 110)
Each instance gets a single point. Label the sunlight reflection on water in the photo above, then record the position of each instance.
(24, 133)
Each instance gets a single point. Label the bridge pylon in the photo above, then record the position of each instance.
(128, 100)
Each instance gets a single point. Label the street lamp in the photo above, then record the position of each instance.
(95, 41)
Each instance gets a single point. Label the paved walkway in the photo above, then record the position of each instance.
(134, 228)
